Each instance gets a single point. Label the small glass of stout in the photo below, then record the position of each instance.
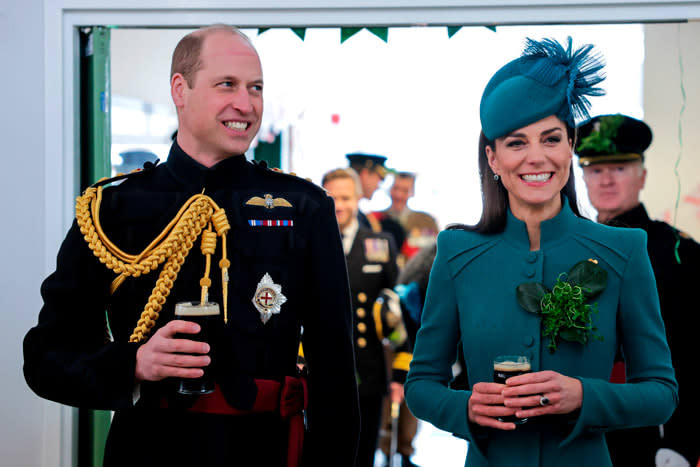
(507, 366)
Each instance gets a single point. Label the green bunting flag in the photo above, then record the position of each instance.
(382, 33)
(347, 33)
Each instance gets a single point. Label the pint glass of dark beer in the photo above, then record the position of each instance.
(207, 316)
(506, 366)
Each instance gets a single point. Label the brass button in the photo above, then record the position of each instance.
(362, 297)
(362, 327)
(360, 312)
(362, 342)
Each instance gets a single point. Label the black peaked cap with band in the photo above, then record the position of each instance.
(612, 138)
(373, 162)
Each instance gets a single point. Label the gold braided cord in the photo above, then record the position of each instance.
(222, 227)
(208, 248)
(171, 247)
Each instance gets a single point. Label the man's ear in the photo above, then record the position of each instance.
(643, 177)
(178, 83)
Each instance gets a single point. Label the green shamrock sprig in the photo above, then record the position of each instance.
(564, 312)
(601, 140)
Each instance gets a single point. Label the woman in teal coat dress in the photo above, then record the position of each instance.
(531, 232)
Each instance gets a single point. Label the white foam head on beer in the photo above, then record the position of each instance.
(196, 309)
(511, 366)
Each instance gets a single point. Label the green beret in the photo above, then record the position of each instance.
(612, 138)
(545, 80)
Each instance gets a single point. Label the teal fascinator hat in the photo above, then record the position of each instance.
(545, 80)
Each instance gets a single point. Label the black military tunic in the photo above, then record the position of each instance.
(68, 360)
(677, 285)
(371, 268)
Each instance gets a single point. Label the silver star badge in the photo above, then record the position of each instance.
(268, 298)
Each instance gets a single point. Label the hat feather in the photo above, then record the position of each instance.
(549, 62)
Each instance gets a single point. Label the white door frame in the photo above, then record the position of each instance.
(63, 17)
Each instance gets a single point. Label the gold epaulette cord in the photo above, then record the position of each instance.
(197, 216)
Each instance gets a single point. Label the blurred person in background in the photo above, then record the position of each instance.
(420, 228)
(372, 269)
(611, 152)
(371, 171)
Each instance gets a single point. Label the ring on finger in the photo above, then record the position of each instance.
(544, 400)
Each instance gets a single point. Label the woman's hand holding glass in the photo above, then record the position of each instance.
(542, 393)
(523, 396)
(486, 406)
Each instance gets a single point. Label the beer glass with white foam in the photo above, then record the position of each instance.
(207, 316)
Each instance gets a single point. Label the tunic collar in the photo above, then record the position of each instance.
(552, 230)
(635, 217)
(229, 173)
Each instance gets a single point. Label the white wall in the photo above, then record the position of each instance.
(668, 46)
(22, 214)
(135, 47)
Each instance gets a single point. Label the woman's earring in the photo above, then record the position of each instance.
(496, 177)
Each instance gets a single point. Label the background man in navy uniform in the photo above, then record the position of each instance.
(371, 262)
(216, 85)
(611, 152)
(371, 170)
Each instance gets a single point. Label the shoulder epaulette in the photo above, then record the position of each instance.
(147, 167)
(263, 165)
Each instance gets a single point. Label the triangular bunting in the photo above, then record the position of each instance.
(347, 33)
(262, 30)
(492, 27)
(452, 30)
(382, 33)
(301, 32)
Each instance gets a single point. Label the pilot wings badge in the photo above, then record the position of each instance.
(268, 202)
(268, 298)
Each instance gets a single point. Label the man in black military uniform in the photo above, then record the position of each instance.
(371, 261)
(282, 268)
(371, 170)
(611, 152)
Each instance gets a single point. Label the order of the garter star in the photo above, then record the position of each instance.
(268, 298)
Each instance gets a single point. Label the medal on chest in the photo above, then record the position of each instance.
(268, 298)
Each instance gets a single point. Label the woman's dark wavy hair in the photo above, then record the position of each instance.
(494, 196)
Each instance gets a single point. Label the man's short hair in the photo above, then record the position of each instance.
(343, 173)
(186, 56)
(406, 175)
